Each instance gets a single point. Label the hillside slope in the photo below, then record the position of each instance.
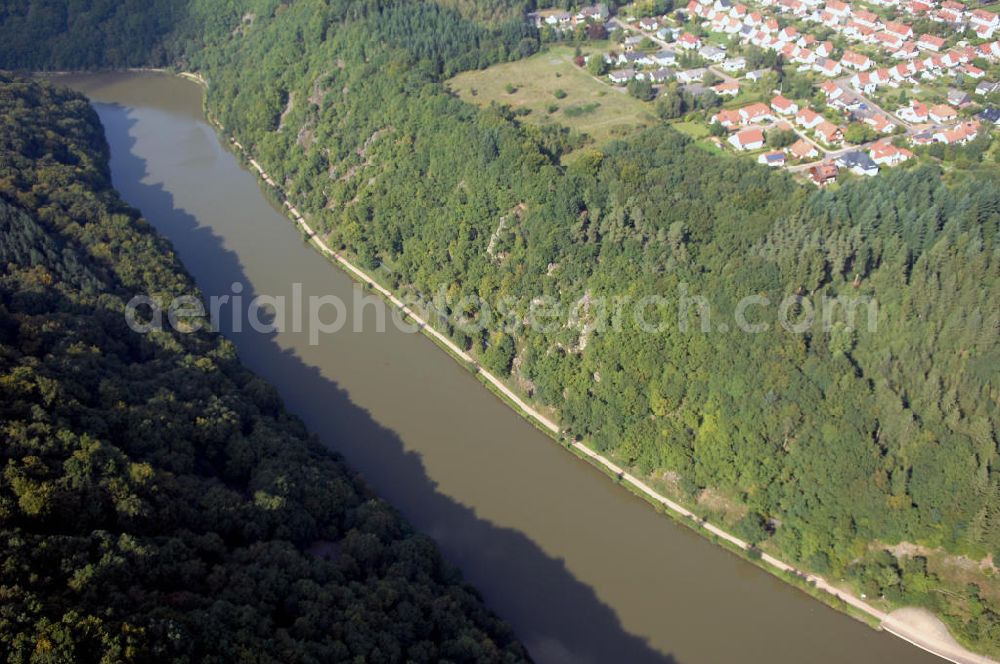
(156, 501)
(825, 446)
(863, 452)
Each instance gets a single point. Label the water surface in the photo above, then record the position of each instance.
(584, 571)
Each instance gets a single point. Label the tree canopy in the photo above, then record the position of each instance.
(838, 440)
(157, 503)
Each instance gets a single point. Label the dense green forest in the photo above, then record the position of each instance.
(828, 445)
(156, 501)
(87, 34)
(831, 441)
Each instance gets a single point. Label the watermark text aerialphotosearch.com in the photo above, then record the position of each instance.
(323, 315)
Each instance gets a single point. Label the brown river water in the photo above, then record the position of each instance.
(583, 570)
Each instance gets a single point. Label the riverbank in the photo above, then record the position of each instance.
(918, 634)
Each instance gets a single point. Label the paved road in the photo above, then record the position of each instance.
(831, 155)
(845, 85)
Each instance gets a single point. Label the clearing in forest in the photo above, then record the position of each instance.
(591, 106)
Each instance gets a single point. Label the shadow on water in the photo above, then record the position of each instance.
(558, 618)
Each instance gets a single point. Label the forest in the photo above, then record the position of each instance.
(157, 503)
(829, 446)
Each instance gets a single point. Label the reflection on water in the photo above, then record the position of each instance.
(582, 570)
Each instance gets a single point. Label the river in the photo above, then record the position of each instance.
(583, 570)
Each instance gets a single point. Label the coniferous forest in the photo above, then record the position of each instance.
(835, 444)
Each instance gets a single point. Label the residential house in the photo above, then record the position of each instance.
(984, 22)
(885, 153)
(958, 98)
(987, 88)
(901, 30)
(941, 113)
(858, 163)
(857, 61)
(644, 59)
(661, 75)
(915, 112)
(930, 43)
(668, 34)
(880, 123)
(973, 72)
(755, 113)
(748, 139)
(990, 51)
(828, 67)
(902, 71)
(803, 149)
(727, 118)
(648, 24)
(755, 75)
(866, 18)
(597, 13)
(629, 58)
(806, 57)
(788, 34)
(773, 159)
(790, 52)
(950, 12)
(888, 41)
(838, 8)
(864, 83)
(991, 115)
(727, 89)
(830, 19)
(560, 19)
(808, 118)
(823, 174)
(632, 43)
(829, 133)
(665, 58)
(712, 53)
(754, 20)
(907, 51)
(784, 106)
(691, 75)
(960, 134)
(951, 59)
(688, 42)
(966, 53)
(831, 90)
(621, 76)
(862, 33)
(733, 65)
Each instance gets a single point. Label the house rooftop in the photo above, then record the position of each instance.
(856, 159)
(990, 114)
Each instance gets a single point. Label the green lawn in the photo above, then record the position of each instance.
(692, 129)
(596, 108)
(711, 147)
